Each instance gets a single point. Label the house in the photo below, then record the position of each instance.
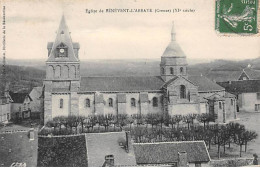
(91, 149)
(238, 73)
(184, 153)
(20, 106)
(36, 103)
(67, 92)
(247, 92)
(5, 107)
(18, 148)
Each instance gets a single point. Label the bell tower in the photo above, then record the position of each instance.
(173, 60)
(62, 75)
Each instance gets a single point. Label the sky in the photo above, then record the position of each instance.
(30, 24)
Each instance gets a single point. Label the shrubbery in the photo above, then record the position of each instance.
(157, 128)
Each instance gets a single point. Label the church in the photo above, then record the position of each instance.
(173, 92)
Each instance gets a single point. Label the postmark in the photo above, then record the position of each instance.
(236, 16)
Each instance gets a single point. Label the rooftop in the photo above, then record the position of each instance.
(167, 152)
(244, 86)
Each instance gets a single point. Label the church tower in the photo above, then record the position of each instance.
(173, 60)
(62, 75)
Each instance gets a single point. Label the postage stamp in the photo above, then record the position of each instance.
(236, 16)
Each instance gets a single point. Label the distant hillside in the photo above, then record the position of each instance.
(23, 78)
(26, 77)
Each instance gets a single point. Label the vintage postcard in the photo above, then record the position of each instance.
(134, 83)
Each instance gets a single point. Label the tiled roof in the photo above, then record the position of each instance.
(17, 147)
(167, 152)
(253, 74)
(244, 86)
(19, 97)
(229, 95)
(148, 83)
(205, 84)
(101, 144)
(173, 50)
(66, 151)
(216, 97)
(221, 76)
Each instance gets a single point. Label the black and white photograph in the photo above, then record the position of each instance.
(134, 83)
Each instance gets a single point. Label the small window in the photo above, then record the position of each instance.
(171, 70)
(133, 103)
(87, 103)
(197, 164)
(162, 70)
(220, 105)
(61, 103)
(155, 102)
(232, 102)
(244, 78)
(182, 92)
(110, 102)
(257, 107)
(258, 96)
(181, 70)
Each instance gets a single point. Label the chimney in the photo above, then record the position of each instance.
(182, 159)
(109, 161)
(128, 139)
(31, 134)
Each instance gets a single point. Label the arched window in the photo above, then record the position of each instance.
(162, 70)
(182, 92)
(171, 70)
(110, 102)
(181, 70)
(133, 103)
(87, 103)
(220, 105)
(61, 103)
(155, 102)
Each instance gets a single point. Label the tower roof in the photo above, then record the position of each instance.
(173, 49)
(63, 37)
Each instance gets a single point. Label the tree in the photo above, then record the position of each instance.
(73, 121)
(249, 136)
(171, 120)
(152, 119)
(81, 120)
(122, 120)
(90, 122)
(187, 119)
(130, 121)
(178, 119)
(59, 121)
(225, 137)
(203, 118)
(240, 136)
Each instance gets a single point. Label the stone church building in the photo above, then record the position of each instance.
(66, 92)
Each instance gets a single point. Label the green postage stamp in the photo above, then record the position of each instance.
(236, 16)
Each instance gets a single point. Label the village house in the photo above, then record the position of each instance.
(247, 92)
(176, 154)
(36, 102)
(5, 106)
(20, 106)
(5, 110)
(90, 150)
(67, 92)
